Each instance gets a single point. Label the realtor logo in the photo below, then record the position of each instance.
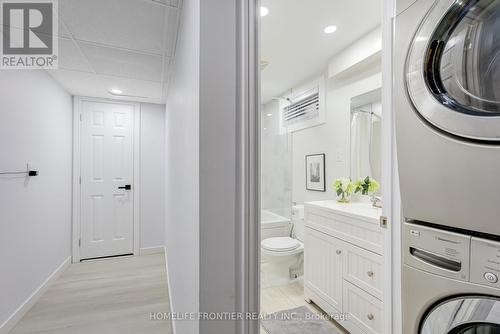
(29, 34)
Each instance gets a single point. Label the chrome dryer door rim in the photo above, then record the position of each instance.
(456, 91)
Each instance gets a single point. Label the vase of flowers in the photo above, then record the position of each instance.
(343, 188)
(367, 186)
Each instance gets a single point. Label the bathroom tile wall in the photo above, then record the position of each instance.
(276, 163)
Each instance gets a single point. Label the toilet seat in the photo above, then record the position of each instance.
(281, 244)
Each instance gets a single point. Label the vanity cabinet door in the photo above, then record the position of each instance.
(323, 267)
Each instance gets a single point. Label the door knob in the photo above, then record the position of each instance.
(338, 252)
(126, 187)
(370, 316)
(370, 274)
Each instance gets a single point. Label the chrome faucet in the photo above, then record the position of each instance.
(376, 201)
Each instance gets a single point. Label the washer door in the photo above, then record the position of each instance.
(453, 68)
(464, 315)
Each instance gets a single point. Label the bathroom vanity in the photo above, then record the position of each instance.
(343, 263)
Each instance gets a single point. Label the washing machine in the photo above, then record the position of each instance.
(450, 282)
(447, 106)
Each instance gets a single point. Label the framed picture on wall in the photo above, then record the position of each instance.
(315, 172)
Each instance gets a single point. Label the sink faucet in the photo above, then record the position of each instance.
(376, 201)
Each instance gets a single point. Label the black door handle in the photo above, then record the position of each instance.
(126, 187)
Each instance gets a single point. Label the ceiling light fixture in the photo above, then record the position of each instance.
(263, 11)
(330, 29)
(116, 91)
(269, 115)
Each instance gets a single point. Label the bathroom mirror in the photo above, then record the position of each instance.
(366, 135)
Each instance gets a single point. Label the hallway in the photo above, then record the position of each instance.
(105, 296)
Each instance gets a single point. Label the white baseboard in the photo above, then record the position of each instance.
(152, 250)
(9, 324)
(174, 331)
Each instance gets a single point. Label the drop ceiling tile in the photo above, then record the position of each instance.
(131, 24)
(170, 36)
(63, 32)
(119, 63)
(70, 58)
(166, 69)
(174, 3)
(88, 84)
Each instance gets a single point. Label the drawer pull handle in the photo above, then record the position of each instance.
(370, 316)
(339, 252)
(370, 274)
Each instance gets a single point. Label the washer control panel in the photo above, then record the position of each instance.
(437, 251)
(485, 262)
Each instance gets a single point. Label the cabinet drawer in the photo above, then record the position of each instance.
(362, 309)
(364, 269)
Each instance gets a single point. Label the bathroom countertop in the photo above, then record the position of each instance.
(363, 210)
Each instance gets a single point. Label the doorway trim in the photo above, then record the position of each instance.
(76, 201)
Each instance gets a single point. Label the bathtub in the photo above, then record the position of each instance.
(273, 225)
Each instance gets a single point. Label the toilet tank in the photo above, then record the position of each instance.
(298, 221)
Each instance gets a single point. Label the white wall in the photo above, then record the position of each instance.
(152, 175)
(365, 48)
(35, 214)
(182, 170)
(223, 197)
(331, 138)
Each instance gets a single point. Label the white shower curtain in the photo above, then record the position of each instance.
(366, 151)
(360, 145)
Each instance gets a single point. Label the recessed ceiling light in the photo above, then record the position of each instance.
(116, 91)
(264, 11)
(269, 115)
(330, 29)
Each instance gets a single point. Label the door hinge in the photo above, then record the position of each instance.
(79, 242)
(384, 221)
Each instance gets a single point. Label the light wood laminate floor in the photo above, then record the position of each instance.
(113, 296)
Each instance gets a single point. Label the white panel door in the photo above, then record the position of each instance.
(106, 164)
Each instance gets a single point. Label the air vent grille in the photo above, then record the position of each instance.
(304, 109)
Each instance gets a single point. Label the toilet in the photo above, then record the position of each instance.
(283, 256)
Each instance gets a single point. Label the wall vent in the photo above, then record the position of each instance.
(305, 109)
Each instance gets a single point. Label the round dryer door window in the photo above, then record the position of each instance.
(463, 315)
(453, 68)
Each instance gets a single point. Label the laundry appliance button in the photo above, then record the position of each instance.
(490, 277)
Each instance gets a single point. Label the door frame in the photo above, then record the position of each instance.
(76, 203)
(390, 180)
(389, 176)
(392, 322)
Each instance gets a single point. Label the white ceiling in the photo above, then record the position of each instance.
(293, 41)
(124, 44)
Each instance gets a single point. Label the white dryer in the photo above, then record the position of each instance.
(450, 282)
(447, 102)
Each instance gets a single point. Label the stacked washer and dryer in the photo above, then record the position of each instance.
(447, 102)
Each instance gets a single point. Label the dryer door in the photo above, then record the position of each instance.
(463, 315)
(453, 68)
